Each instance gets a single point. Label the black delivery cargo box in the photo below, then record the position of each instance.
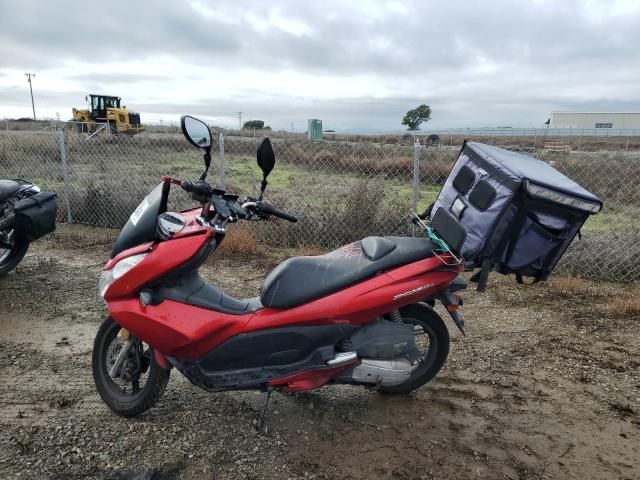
(509, 212)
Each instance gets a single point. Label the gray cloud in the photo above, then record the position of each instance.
(474, 62)
(110, 78)
(341, 38)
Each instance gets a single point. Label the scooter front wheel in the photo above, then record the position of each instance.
(432, 339)
(125, 372)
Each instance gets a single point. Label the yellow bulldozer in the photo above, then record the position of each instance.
(105, 111)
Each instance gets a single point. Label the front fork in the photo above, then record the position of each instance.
(132, 342)
(115, 370)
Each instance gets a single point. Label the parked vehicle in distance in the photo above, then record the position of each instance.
(106, 109)
(360, 315)
(26, 214)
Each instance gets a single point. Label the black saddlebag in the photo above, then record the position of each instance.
(383, 340)
(509, 212)
(35, 216)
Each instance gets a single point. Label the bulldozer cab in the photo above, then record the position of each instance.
(100, 104)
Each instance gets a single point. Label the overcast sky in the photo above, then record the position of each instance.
(357, 65)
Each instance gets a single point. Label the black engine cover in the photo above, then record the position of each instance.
(383, 340)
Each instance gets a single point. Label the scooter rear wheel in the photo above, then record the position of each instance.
(141, 381)
(432, 339)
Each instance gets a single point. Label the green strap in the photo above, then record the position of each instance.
(440, 243)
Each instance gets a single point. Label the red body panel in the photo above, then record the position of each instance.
(310, 379)
(163, 257)
(145, 247)
(187, 331)
(177, 329)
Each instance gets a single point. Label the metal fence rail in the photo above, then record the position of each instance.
(341, 191)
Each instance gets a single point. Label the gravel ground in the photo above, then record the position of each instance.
(546, 384)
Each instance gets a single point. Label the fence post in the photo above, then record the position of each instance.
(221, 137)
(65, 173)
(416, 180)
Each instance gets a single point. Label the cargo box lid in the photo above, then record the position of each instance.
(534, 173)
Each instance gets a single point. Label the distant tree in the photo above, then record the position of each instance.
(251, 124)
(415, 117)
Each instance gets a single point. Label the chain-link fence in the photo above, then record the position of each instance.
(341, 191)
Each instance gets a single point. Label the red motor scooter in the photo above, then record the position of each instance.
(360, 315)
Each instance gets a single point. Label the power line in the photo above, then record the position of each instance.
(239, 120)
(29, 75)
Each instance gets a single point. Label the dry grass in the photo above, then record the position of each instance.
(576, 287)
(564, 287)
(240, 240)
(629, 304)
(46, 264)
(625, 307)
(568, 286)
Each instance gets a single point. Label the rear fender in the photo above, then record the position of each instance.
(452, 301)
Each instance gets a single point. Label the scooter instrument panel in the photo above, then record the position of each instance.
(170, 223)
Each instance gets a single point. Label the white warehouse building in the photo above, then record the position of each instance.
(617, 120)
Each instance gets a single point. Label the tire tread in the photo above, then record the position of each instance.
(14, 259)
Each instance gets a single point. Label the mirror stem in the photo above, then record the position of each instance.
(263, 187)
(207, 163)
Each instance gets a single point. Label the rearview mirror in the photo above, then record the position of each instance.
(266, 157)
(196, 131)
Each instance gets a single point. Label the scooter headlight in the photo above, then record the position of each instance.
(107, 277)
(104, 281)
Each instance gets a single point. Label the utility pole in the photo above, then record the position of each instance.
(239, 120)
(29, 75)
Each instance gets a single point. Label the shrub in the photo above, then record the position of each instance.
(240, 240)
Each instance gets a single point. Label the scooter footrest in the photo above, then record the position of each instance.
(343, 357)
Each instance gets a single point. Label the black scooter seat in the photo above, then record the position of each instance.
(301, 279)
(8, 188)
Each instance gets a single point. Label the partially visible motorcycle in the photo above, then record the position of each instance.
(26, 214)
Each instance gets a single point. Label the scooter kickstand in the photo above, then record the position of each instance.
(266, 395)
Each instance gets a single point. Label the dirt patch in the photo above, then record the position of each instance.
(546, 384)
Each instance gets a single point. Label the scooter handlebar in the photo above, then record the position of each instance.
(227, 208)
(265, 208)
(199, 188)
